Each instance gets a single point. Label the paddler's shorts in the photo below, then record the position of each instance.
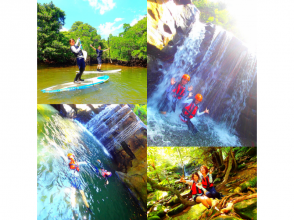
(76, 183)
(99, 60)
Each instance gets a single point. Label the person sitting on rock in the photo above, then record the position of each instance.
(190, 110)
(175, 92)
(207, 182)
(198, 190)
(104, 173)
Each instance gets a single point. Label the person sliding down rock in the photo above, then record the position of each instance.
(175, 92)
(197, 190)
(74, 178)
(104, 173)
(190, 110)
(76, 50)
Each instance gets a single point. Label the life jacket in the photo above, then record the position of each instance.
(80, 53)
(205, 182)
(195, 189)
(179, 91)
(73, 165)
(190, 110)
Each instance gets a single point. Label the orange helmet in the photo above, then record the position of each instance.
(186, 77)
(70, 154)
(198, 97)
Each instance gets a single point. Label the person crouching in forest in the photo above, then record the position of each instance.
(207, 182)
(190, 110)
(99, 56)
(173, 93)
(76, 50)
(197, 190)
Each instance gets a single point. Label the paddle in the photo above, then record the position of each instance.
(84, 52)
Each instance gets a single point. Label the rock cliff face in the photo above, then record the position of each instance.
(168, 23)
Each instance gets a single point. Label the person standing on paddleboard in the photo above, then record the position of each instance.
(74, 178)
(190, 110)
(77, 51)
(175, 92)
(99, 56)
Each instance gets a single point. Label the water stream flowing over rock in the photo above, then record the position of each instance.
(222, 69)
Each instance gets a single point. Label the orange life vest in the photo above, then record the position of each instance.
(73, 165)
(195, 189)
(190, 110)
(205, 182)
(179, 91)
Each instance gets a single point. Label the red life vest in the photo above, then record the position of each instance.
(205, 182)
(73, 165)
(195, 189)
(179, 91)
(190, 110)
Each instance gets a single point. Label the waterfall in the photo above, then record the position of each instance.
(222, 69)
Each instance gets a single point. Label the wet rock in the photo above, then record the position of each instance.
(247, 209)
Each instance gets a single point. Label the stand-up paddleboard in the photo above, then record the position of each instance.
(106, 71)
(73, 86)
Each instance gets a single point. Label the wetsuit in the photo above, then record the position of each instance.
(74, 176)
(76, 50)
(172, 94)
(207, 184)
(196, 190)
(189, 111)
(99, 56)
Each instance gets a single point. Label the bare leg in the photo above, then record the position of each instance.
(208, 200)
(84, 198)
(202, 200)
(73, 197)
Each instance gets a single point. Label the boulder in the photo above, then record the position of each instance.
(247, 209)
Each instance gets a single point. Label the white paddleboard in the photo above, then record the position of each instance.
(106, 71)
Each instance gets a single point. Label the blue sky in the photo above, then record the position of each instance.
(107, 16)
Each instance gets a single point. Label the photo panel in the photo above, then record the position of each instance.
(91, 161)
(202, 74)
(202, 183)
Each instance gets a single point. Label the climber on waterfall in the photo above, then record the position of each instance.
(197, 190)
(74, 178)
(175, 92)
(190, 110)
(207, 182)
(104, 173)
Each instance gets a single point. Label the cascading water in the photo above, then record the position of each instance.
(223, 70)
(115, 124)
(57, 137)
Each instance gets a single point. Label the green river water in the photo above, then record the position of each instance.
(128, 86)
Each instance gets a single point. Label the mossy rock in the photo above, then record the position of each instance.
(253, 158)
(155, 217)
(241, 166)
(247, 209)
(225, 217)
(159, 211)
(237, 190)
(217, 181)
(176, 210)
(173, 201)
(193, 213)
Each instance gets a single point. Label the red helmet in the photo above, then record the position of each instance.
(186, 77)
(198, 97)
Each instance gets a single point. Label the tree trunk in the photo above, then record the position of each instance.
(230, 162)
(234, 161)
(181, 161)
(163, 188)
